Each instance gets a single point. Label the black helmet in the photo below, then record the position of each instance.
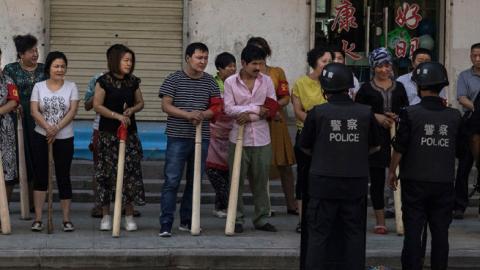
(336, 77)
(429, 74)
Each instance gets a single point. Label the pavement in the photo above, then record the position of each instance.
(89, 248)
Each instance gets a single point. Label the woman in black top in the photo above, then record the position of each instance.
(386, 97)
(117, 99)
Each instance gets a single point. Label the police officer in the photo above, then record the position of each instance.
(425, 145)
(339, 135)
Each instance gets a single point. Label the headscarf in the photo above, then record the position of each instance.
(379, 56)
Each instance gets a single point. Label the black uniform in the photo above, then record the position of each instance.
(339, 134)
(426, 137)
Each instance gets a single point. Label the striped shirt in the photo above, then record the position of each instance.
(188, 94)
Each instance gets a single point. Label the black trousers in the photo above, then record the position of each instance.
(426, 202)
(465, 163)
(323, 215)
(62, 156)
(377, 187)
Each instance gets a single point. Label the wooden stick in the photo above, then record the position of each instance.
(50, 189)
(4, 213)
(234, 184)
(197, 182)
(117, 212)
(22, 171)
(397, 197)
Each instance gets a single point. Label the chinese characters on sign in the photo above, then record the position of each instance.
(345, 17)
(345, 21)
(407, 15)
(348, 49)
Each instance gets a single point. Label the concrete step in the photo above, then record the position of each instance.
(82, 171)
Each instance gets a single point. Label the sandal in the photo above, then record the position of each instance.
(380, 229)
(298, 229)
(68, 226)
(37, 226)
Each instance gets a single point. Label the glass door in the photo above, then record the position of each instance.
(359, 26)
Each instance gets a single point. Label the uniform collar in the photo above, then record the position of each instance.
(433, 102)
(339, 98)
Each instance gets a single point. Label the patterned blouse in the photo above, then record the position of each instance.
(25, 80)
(8, 145)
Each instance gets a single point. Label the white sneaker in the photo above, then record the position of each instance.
(130, 224)
(106, 223)
(219, 213)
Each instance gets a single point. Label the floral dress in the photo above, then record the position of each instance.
(25, 80)
(8, 144)
(117, 93)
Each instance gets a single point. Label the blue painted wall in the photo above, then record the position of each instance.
(152, 136)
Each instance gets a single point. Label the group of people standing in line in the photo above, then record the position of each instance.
(255, 97)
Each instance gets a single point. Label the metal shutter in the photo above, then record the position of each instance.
(153, 29)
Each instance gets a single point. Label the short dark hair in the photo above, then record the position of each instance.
(421, 51)
(52, 56)
(314, 54)
(336, 48)
(262, 43)
(192, 47)
(24, 43)
(114, 56)
(475, 46)
(251, 53)
(224, 59)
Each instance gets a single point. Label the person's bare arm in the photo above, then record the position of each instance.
(300, 113)
(88, 105)
(170, 109)
(98, 100)
(8, 107)
(465, 102)
(138, 106)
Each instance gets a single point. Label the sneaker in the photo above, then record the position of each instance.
(238, 228)
(37, 226)
(165, 230)
(267, 228)
(106, 223)
(185, 226)
(68, 226)
(219, 213)
(130, 224)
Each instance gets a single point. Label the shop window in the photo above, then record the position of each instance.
(403, 25)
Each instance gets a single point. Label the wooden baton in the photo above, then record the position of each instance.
(22, 171)
(4, 213)
(197, 181)
(234, 184)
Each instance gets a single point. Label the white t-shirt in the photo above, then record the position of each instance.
(54, 105)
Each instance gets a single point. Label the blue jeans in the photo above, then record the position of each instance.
(179, 151)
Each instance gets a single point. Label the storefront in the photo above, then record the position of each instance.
(361, 26)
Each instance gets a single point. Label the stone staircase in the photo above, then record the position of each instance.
(82, 171)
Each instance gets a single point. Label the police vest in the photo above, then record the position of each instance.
(430, 155)
(341, 144)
